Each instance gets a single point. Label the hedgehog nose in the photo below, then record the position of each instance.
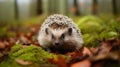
(57, 43)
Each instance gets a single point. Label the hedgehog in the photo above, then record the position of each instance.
(58, 33)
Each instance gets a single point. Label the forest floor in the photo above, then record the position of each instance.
(107, 54)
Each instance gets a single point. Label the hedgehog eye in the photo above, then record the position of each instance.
(46, 30)
(53, 36)
(70, 31)
(62, 36)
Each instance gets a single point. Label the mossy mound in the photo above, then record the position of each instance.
(95, 29)
(31, 53)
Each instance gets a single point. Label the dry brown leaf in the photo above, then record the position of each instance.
(2, 45)
(22, 62)
(84, 63)
(86, 51)
(61, 62)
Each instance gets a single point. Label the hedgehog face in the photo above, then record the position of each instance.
(58, 36)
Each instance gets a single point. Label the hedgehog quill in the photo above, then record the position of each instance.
(59, 33)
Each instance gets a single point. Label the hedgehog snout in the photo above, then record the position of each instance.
(56, 43)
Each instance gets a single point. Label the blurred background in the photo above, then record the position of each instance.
(12, 10)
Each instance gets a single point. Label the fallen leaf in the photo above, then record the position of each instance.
(84, 63)
(86, 51)
(22, 62)
(60, 61)
(2, 45)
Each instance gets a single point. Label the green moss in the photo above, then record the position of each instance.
(5, 34)
(34, 54)
(10, 63)
(94, 29)
(30, 53)
(89, 24)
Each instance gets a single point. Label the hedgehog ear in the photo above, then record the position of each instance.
(70, 31)
(46, 31)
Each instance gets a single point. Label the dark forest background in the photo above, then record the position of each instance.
(12, 10)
